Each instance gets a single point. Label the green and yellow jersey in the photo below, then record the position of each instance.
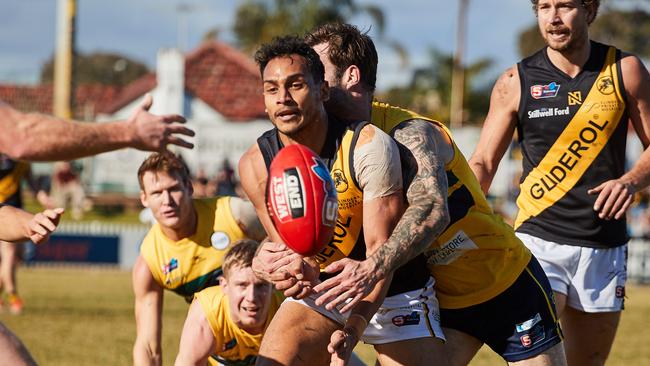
(193, 263)
(233, 345)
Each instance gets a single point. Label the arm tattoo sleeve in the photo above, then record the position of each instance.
(426, 216)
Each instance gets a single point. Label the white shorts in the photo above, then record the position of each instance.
(409, 315)
(592, 279)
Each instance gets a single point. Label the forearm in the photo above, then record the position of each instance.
(48, 138)
(483, 172)
(422, 222)
(639, 175)
(15, 223)
(426, 216)
(144, 355)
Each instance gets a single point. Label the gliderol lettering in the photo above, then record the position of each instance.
(568, 160)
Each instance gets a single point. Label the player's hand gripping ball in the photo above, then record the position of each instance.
(302, 200)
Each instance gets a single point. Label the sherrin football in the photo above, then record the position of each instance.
(302, 200)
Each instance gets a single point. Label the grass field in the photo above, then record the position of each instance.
(82, 316)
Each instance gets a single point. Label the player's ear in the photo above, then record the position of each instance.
(222, 282)
(351, 76)
(143, 199)
(324, 91)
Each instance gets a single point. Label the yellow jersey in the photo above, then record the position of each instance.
(478, 256)
(233, 345)
(193, 263)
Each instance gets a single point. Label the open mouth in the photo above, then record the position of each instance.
(287, 114)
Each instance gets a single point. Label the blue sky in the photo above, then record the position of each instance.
(138, 28)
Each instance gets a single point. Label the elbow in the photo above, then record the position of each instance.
(436, 219)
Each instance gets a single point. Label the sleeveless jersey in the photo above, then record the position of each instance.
(234, 346)
(572, 133)
(478, 256)
(193, 263)
(11, 173)
(348, 241)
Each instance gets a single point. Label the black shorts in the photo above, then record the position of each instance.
(519, 323)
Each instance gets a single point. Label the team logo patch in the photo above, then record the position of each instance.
(331, 203)
(169, 267)
(605, 85)
(288, 195)
(533, 337)
(408, 319)
(575, 98)
(451, 250)
(339, 180)
(219, 240)
(620, 292)
(544, 91)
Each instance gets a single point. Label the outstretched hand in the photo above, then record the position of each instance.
(153, 132)
(43, 224)
(355, 280)
(614, 198)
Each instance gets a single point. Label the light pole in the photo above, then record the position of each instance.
(458, 73)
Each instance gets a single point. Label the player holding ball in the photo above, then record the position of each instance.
(364, 165)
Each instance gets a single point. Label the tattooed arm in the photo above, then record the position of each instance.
(427, 150)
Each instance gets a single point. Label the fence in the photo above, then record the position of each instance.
(118, 244)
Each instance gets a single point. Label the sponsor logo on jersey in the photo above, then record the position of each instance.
(565, 163)
(451, 250)
(330, 201)
(544, 91)
(548, 112)
(288, 195)
(605, 85)
(603, 106)
(340, 182)
(219, 240)
(575, 98)
(169, 267)
(408, 319)
(528, 324)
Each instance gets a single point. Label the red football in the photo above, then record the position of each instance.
(302, 200)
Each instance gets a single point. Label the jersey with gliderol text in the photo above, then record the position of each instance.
(233, 345)
(477, 256)
(191, 264)
(11, 172)
(348, 240)
(572, 133)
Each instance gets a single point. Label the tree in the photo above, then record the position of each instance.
(627, 30)
(429, 91)
(101, 68)
(259, 21)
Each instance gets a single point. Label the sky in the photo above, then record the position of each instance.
(138, 28)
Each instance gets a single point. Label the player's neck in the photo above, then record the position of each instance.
(312, 135)
(185, 230)
(572, 60)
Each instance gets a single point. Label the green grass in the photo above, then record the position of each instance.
(84, 316)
